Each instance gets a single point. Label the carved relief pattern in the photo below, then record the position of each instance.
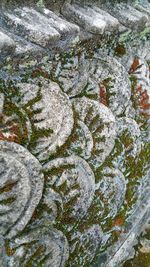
(72, 144)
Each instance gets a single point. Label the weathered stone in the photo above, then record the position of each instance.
(98, 130)
(86, 17)
(31, 25)
(75, 92)
(93, 20)
(7, 45)
(112, 189)
(77, 181)
(72, 75)
(89, 240)
(21, 187)
(41, 246)
(128, 16)
(1, 102)
(68, 31)
(53, 113)
(130, 125)
(145, 9)
(110, 76)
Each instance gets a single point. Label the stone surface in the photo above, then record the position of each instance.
(109, 75)
(129, 16)
(21, 190)
(7, 45)
(87, 18)
(93, 20)
(51, 112)
(76, 183)
(74, 133)
(72, 74)
(43, 246)
(98, 129)
(21, 21)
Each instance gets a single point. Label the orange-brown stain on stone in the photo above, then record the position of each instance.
(118, 221)
(103, 94)
(143, 101)
(135, 65)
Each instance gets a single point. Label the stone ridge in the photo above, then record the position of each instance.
(27, 29)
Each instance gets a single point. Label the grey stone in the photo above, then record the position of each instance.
(7, 45)
(32, 25)
(89, 240)
(112, 188)
(55, 114)
(108, 68)
(20, 171)
(1, 102)
(128, 16)
(99, 124)
(73, 74)
(133, 128)
(84, 18)
(145, 9)
(83, 111)
(112, 23)
(51, 244)
(79, 175)
(68, 31)
(93, 20)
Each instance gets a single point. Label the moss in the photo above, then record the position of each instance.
(140, 260)
(145, 32)
(107, 83)
(124, 37)
(62, 151)
(40, 4)
(7, 187)
(7, 201)
(93, 122)
(134, 81)
(39, 252)
(126, 139)
(34, 100)
(17, 125)
(37, 134)
(8, 249)
(120, 50)
(136, 168)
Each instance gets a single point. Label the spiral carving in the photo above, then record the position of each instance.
(21, 187)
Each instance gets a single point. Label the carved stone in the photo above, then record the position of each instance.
(74, 133)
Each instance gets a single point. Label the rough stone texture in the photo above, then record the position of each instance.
(98, 128)
(21, 186)
(74, 133)
(78, 180)
(51, 112)
(129, 16)
(44, 246)
(7, 45)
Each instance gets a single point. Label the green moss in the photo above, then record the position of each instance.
(33, 101)
(120, 50)
(145, 32)
(140, 260)
(108, 85)
(37, 134)
(63, 150)
(40, 4)
(126, 139)
(7, 201)
(134, 81)
(124, 37)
